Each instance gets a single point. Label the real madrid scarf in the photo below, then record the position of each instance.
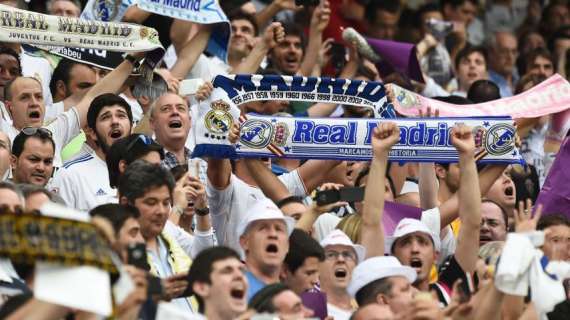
(332, 138)
(47, 31)
(550, 96)
(27, 238)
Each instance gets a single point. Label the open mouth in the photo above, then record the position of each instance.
(416, 263)
(272, 248)
(484, 238)
(34, 114)
(116, 134)
(175, 124)
(340, 273)
(509, 191)
(237, 293)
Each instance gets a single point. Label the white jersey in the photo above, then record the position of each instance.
(54, 110)
(83, 181)
(230, 206)
(338, 313)
(63, 128)
(39, 68)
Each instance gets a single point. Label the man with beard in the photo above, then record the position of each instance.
(264, 239)
(83, 181)
(341, 257)
(32, 156)
(24, 101)
(217, 279)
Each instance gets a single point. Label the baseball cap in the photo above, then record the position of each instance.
(407, 226)
(265, 209)
(339, 238)
(377, 268)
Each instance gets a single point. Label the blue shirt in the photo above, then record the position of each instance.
(504, 88)
(254, 285)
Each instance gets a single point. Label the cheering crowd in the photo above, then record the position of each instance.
(248, 238)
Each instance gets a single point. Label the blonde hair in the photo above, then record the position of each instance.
(351, 225)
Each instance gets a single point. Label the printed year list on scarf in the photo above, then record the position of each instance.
(421, 140)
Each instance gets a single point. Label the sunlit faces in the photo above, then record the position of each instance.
(26, 105)
(265, 243)
(417, 251)
(64, 8)
(112, 124)
(503, 192)
(557, 243)
(289, 306)
(35, 163)
(226, 292)
(493, 224)
(286, 56)
(336, 270)
(241, 40)
(154, 209)
(170, 119)
(471, 68)
(4, 153)
(10, 199)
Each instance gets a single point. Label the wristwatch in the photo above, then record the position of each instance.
(132, 59)
(202, 212)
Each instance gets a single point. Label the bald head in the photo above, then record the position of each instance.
(504, 46)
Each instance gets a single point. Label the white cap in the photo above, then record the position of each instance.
(339, 238)
(407, 226)
(377, 268)
(265, 209)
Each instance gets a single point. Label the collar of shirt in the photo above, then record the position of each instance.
(170, 160)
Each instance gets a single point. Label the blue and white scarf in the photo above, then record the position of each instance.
(421, 140)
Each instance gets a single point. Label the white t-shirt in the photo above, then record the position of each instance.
(83, 181)
(63, 128)
(136, 108)
(230, 206)
(53, 110)
(205, 68)
(338, 313)
(37, 67)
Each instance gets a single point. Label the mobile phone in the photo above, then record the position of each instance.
(307, 2)
(316, 301)
(189, 86)
(136, 255)
(154, 286)
(338, 56)
(350, 194)
(439, 28)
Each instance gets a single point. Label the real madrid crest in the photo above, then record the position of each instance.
(499, 139)
(218, 120)
(105, 10)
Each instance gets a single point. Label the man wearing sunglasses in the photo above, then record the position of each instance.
(83, 181)
(24, 99)
(32, 156)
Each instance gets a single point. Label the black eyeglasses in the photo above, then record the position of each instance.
(146, 140)
(32, 131)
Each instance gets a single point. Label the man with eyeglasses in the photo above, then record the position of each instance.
(341, 257)
(32, 156)
(83, 181)
(24, 99)
(504, 50)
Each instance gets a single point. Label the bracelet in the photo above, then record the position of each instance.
(202, 212)
(132, 59)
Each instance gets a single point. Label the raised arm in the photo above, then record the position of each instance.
(271, 37)
(319, 21)
(219, 171)
(469, 201)
(271, 186)
(263, 17)
(372, 233)
(111, 83)
(428, 186)
(313, 172)
(191, 51)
